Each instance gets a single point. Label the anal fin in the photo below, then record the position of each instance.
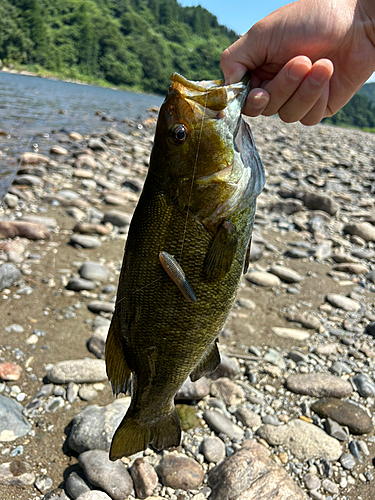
(207, 364)
(117, 368)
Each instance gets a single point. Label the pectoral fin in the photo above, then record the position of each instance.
(208, 363)
(221, 253)
(117, 368)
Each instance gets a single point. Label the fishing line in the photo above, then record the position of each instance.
(190, 195)
(193, 177)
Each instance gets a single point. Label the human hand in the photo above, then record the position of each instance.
(307, 59)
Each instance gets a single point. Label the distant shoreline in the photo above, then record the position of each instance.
(50, 76)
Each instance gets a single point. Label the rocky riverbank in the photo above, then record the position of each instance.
(290, 411)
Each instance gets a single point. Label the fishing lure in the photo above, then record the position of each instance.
(177, 275)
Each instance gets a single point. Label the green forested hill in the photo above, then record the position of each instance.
(137, 43)
(359, 112)
(368, 90)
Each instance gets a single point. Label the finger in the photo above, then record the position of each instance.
(308, 93)
(286, 83)
(233, 71)
(256, 101)
(318, 111)
(247, 53)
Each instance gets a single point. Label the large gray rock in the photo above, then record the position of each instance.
(12, 423)
(112, 477)
(319, 385)
(304, 440)
(93, 428)
(80, 371)
(250, 474)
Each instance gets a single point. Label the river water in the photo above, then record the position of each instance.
(31, 108)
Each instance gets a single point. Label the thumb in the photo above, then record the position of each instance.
(243, 55)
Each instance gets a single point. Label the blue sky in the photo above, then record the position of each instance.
(240, 15)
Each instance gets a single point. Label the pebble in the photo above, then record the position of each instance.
(16, 473)
(335, 430)
(112, 477)
(85, 241)
(228, 391)
(347, 461)
(364, 230)
(180, 472)
(117, 218)
(291, 333)
(76, 485)
(248, 417)
(306, 441)
(43, 483)
(319, 385)
(274, 357)
(80, 371)
(94, 495)
(345, 413)
(220, 423)
(363, 385)
(213, 449)
(87, 393)
(330, 487)
(144, 477)
(9, 274)
(193, 391)
(93, 271)
(312, 481)
(12, 422)
(307, 320)
(286, 274)
(98, 306)
(78, 284)
(261, 278)
(10, 371)
(342, 302)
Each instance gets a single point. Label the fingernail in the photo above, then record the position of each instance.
(318, 76)
(296, 71)
(259, 101)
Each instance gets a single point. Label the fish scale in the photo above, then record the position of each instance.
(204, 204)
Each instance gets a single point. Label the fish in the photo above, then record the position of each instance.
(187, 247)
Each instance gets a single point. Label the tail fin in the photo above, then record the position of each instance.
(132, 437)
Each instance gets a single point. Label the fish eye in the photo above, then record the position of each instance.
(179, 134)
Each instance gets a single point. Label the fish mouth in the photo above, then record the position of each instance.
(210, 98)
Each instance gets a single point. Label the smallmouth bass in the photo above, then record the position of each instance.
(187, 247)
